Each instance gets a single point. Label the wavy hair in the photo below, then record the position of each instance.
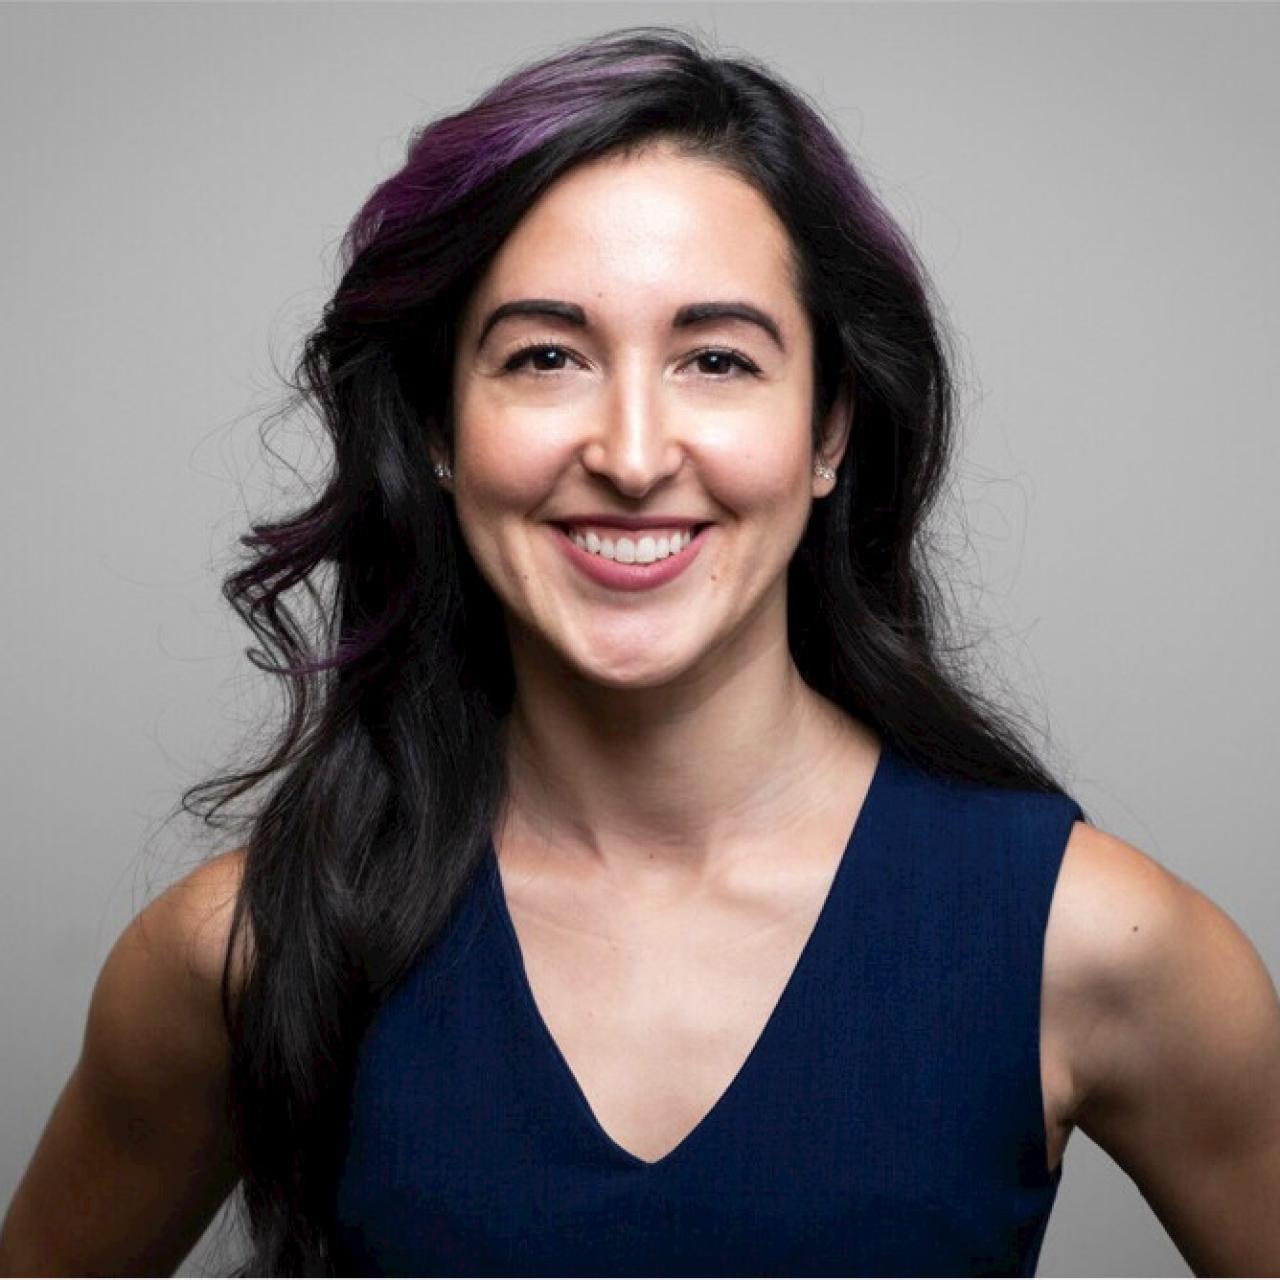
(386, 773)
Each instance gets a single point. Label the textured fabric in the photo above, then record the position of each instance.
(888, 1121)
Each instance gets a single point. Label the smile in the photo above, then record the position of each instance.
(634, 565)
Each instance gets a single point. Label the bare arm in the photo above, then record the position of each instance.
(136, 1157)
(1181, 1070)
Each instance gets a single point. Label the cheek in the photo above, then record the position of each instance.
(510, 456)
(511, 464)
(760, 466)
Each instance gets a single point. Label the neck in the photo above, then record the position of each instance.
(679, 778)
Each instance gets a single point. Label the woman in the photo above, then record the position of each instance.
(638, 891)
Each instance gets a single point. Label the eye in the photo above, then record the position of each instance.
(520, 358)
(723, 361)
(728, 360)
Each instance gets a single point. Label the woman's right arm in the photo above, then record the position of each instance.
(136, 1158)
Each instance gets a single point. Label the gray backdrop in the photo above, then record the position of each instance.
(1093, 187)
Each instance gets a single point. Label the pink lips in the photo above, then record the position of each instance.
(630, 577)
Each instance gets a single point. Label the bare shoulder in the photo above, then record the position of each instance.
(138, 1152)
(1111, 900)
(1105, 888)
(1170, 1024)
(1131, 950)
(193, 917)
(169, 962)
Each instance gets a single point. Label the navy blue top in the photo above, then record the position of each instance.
(888, 1120)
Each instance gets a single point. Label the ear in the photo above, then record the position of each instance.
(835, 432)
(438, 455)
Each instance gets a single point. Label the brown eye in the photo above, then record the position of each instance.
(723, 362)
(535, 355)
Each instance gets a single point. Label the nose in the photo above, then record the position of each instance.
(637, 444)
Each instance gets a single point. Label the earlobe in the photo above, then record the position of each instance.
(838, 424)
(443, 474)
(438, 455)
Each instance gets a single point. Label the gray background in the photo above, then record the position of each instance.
(1093, 187)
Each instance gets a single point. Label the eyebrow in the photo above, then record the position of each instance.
(691, 314)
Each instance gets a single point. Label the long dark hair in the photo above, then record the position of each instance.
(387, 775)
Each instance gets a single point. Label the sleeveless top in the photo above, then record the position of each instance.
(887, 1121)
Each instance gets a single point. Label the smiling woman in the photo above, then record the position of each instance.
(642, 407)
(641, 888)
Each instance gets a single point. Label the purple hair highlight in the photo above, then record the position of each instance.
(454, 155)
(734, 103)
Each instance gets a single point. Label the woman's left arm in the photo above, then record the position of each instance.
(1180, 1072)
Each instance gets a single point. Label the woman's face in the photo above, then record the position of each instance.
(613, 404)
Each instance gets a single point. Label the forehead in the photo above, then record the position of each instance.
(634, 237)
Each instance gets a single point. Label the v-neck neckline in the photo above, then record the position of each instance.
(871, 801)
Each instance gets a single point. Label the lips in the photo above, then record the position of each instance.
(629, 577)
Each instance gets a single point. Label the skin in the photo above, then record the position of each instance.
(660, 903)
(1161, 1026)
(619, 692)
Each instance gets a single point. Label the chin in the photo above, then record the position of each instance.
(639, 668)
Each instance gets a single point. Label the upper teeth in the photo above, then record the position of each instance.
(656, 544)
